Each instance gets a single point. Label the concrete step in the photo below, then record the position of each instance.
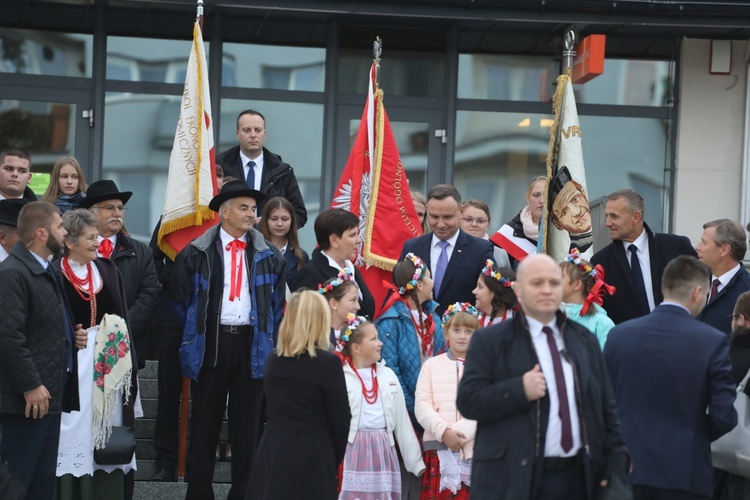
(222, 471)
(150, 406)
(148, 490)
(151, 371)
(144, 429)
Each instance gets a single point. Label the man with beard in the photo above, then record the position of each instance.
(133, 258)
(38, 351)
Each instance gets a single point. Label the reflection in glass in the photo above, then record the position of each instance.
(293, 131)
(497, 154)
(45, 53)
(148, 59)
(45, 129)
(417, 74)
(630, 82)
(502, 77)
(272, 67)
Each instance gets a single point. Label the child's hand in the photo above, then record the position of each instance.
(454, 440)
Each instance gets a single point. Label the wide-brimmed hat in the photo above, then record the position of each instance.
(102, 191)
(9, 210)
(235, 189)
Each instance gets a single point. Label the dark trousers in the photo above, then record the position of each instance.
(559, 484)
(168, 407)
(641, 492)
(30, 448)
(209, 394)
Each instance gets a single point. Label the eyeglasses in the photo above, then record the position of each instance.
(733, 316)
(472, 220)
(112, 208)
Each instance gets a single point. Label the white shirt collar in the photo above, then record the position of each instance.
(451, 240)
(535, 326)
(641, 242)
(725, 278)
(42, 261)
(668, 303)
(227, 238)
(348, 266)
(258, 161)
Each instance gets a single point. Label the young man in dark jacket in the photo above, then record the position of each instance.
(260, 168)
(229, 331)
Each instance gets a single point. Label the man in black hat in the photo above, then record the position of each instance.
(133, 258)
(9, 210)
(228, 286)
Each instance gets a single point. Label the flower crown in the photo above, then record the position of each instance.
(352, 323)
(488, 270)
(457, 308)
(344, 275)
(420, 269)
(575, 258)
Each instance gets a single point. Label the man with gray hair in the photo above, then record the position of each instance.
(722, 248)
(229, 289)
(674, 390)
(636, 258)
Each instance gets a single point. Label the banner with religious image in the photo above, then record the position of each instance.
(566, 219)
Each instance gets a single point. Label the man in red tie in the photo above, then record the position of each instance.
(133, 258)
(722, 248)
(229, 289)
(538, 388)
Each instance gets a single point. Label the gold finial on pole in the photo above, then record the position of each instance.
(568, 52)
(377, 50)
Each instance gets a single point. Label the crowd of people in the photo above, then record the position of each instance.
(491, 371)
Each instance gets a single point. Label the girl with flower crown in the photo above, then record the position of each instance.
(448, 436)
(583, 293)
(411, 333)
(342, 296)
(379, 420)
(494, 295)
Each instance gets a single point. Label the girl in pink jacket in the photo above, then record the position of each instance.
(448, 437)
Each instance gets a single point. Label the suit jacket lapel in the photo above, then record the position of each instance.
(657, 264)
(423, 248)
(623, 265)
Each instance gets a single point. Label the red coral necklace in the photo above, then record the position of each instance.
(370, 395)
(80, 284)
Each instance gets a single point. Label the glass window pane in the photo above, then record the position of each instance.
(272, 67)
(416, 74)
(46, 130)
(502, 77)
(629, 82)
(137, 158)
(45, 53)
(283, 121)
(498, 153)
(148, 59)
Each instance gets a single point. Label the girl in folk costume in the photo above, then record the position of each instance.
(494, 295)
(583, 293)
(448, 437)
(342, 296)
(409, 329)
(371, 466)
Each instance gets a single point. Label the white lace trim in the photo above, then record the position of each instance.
(371, 482)
(454, 470)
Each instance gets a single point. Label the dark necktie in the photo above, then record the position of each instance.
(251, 174)
(441, 266)
(638, 283)
(714, 289)
(566, 438)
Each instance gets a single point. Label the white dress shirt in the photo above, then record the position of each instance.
(552, 446)
(724, 279)
(258, 169)
(435, 250)
(644, 259)
(3, 254)
(348, 267)
(112, 239)
(237, 311)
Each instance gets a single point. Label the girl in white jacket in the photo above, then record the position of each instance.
(371, 467)
(448, 437)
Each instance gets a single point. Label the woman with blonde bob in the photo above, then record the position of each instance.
(67, 185)
(307, 407)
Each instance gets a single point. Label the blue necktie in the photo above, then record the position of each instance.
(251, 174)
(442, 264)
(638, 283)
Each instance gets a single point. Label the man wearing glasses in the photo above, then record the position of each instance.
(133, 259)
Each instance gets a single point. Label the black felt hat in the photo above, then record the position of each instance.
(235, 189)
(9, 210)
(102, 191)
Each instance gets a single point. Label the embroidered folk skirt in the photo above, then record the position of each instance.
(371, 470)
(431, 481)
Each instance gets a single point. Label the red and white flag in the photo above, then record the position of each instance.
(192, 172)
(374, 187)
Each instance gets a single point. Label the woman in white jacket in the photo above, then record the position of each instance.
(448, 437)
(371, 467)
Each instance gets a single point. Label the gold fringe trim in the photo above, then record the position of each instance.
(554, 142)
(192, 220)
(197, 41)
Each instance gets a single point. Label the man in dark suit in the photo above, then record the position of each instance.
(666, 370)
(538, 388)
(455, 258)
(722, 248)
(636, 258)
(261, 169)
